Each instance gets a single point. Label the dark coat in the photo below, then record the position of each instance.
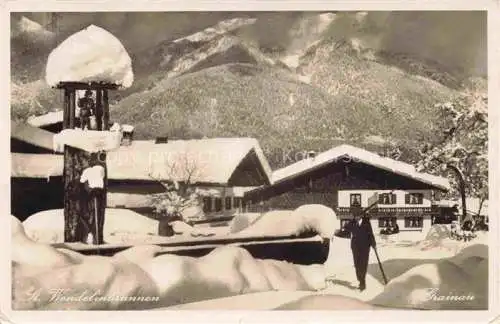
(361, 235)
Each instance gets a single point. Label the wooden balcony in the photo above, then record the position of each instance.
(381, 211)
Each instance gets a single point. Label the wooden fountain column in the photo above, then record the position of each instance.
(73, 161)
(82, 209)
(99, 202)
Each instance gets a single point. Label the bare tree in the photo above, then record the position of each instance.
(178, 178)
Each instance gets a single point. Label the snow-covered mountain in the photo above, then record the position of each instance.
(316, 78)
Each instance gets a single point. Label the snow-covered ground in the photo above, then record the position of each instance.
(421, 268)
(48, 278)
(413, 266)
(420, 273)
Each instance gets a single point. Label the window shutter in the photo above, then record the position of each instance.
(207, 204)
(393, 198)
(407, 198)
(218, 204)
(228, 203)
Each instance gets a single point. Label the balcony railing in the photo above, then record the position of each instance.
(390, 211)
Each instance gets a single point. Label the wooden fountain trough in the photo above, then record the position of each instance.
(305, 249)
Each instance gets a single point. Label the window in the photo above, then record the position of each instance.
(414, 198)
(414, 222)
(218, 204)
(207, 204)
(237, 202)
(387, 198)
(384, 222)
(356, 199)
(228, 204)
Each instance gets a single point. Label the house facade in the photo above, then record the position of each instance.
(393, 192)
(215, 203)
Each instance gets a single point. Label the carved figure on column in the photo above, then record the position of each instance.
(87, 109)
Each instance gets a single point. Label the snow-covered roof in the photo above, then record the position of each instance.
(355, 154)
(90, 55)
(213, 160)
(26, 165)
(472, 205)
(32, 135)
(49, 118)
(446, 203)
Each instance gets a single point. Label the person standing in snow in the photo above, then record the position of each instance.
(362, 239)
(87, 109)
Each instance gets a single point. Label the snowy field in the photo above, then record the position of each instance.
(416, 265)
(413, 268)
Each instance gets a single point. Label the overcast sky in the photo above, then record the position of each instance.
(456, 38)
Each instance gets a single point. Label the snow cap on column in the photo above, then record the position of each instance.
(90, 55)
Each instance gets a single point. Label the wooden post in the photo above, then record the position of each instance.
(101, 200)
(72, 227)
(98, 109)
(84, 209)
(105, 107)
(72, 107)
(66, 109)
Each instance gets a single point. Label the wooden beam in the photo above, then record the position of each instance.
(303, 250)
(86, 85)
(99, 109)
(72, 108)
(66, 108)
(105, 108)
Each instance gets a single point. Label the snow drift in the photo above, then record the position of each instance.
(242, 221)
(120, 226)
(92, 54)
(438, 239)
(181, 228)
(126, 226)
(459, 282)
(438, 232)
(156, 281)
(87, 140)
(327, 302)
(305, 219)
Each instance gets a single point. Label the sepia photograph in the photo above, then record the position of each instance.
(249, 160)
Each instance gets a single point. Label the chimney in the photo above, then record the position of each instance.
(128, 135)
(311, 154)
(161, 140)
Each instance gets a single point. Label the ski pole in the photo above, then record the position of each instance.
(380, 266)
